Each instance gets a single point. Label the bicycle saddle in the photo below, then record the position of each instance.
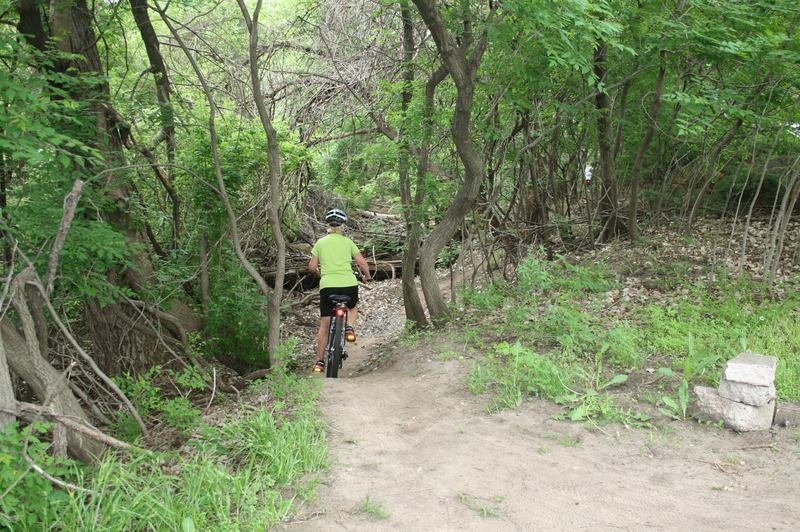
(336, 298)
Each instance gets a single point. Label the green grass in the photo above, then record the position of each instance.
(717, 321)
(567, 343)
(563, 440)
(373, 509)
(244, 475)
(482, 506)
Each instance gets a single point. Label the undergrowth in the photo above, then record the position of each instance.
(243, 475)
(565, 333)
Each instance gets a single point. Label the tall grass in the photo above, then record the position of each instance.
(564, 310)
(243, 475)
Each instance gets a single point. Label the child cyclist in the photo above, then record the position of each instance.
(331, 259)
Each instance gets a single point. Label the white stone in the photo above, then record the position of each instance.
(751, 368)
(738, 416)
(749, 394)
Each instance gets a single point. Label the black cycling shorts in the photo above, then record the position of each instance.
(325, 303)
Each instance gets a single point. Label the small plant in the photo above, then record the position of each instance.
(180, 414)
(481, 506)
(190, 378)
(444, 356)
(373, 509)
(28, 499)
(673, 408)
(693, 364)
(564, 440)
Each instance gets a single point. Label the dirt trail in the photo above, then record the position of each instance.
(409, 436)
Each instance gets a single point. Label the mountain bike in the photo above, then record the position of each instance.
(335, 353)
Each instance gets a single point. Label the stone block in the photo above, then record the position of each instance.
(751, 368)
(749, 394)
(738, 416)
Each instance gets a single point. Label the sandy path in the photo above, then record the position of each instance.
(411, 438)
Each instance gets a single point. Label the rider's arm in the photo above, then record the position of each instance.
(313, 265)
(361, 262)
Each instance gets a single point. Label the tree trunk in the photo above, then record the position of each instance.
(463, 70)
(7, 400)
(166, 112)
(633, 228)
(411, 301)
(275, 182)
(612, 226)
(26, 359)
(70, 31)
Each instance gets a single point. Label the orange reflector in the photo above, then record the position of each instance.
(340, 312)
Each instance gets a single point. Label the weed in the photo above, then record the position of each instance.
(240, 478)
(564, 440)
(180, 414)
(481, 506)
(27, 498)
(373, 509)
(448, 355)
(489, 297)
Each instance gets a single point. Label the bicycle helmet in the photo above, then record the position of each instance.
(335, 217)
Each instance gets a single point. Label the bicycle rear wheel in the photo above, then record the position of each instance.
(335, 349)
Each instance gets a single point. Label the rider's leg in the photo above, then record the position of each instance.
(352, 314)
(322, 336)
(349, 331)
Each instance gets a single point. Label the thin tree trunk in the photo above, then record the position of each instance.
(743, 253)
(711, 165)
(7, 400)
(609, 202)
(411, 300)
(781, 224)
(275, 184)
(166, 111)
(205, 286)
(463, 71)
(633, 228)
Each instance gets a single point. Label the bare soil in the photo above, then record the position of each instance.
(405, 433)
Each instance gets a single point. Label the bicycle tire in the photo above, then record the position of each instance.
(335, 349)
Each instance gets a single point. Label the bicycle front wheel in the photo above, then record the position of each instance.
(335, 349)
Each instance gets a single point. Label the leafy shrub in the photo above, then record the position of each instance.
(147, 397)
(488, 297)
(144, 395)
(535, 274)
(29, 499)
(179, 413)
(236, 318)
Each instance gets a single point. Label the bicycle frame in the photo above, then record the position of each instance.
(335, 352)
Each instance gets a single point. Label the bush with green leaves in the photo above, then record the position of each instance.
(144, 392)
(236, 317)
(28, 499)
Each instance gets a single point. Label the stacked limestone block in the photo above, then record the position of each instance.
(745, 399)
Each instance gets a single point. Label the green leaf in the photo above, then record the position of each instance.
(188, 525)
(618, 379)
